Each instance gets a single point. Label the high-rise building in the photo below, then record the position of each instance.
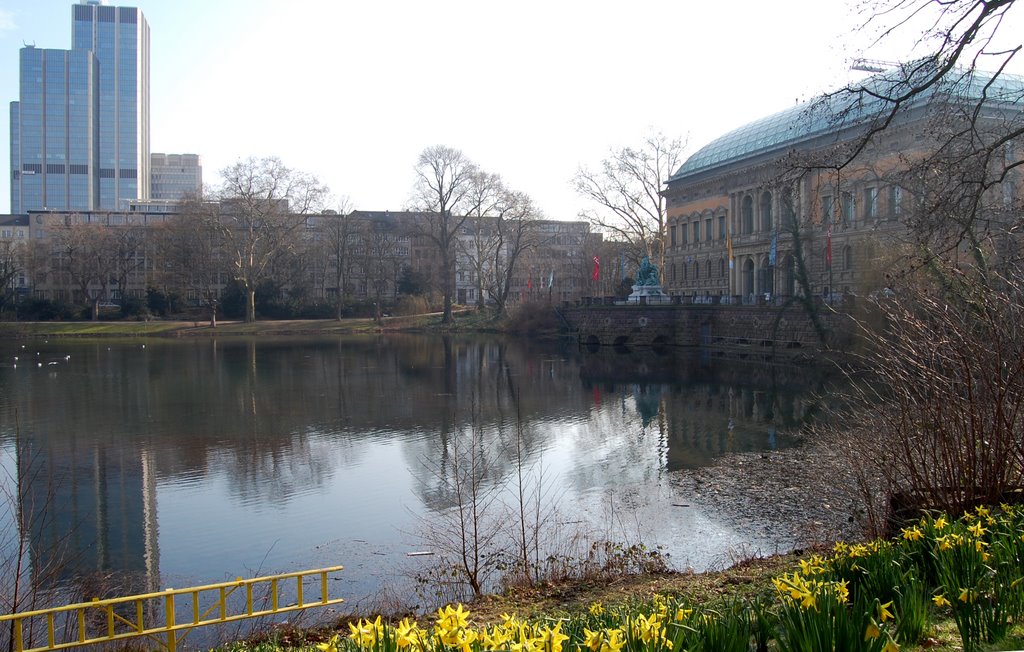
(175, 176)
(80, 130)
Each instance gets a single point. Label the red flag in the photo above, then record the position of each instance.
(828, 245)
(529, 283)
(597, 268)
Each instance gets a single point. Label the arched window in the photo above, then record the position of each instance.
(847, 258)
(707, 270)
(721, 267)
(686, 267)
(766, 211)
(696, 271)
(673, 271)
(747, 213)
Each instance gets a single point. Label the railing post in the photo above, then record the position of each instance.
(170, 621)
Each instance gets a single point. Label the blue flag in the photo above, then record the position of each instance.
(773, 251)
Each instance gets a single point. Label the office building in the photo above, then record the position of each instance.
(80, 129)
(175, 176)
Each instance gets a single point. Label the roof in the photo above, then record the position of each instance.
(837, 113)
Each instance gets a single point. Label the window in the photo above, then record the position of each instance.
(696, 270)
(826, 209)
(707, 230)
(721, 227)
(748, 215)
(685, 232)
(721, 267)
(870, 203)
(847, 198)
(895, 200)
(696, 231)
(672, 235)
(847, 257)
(766, 211)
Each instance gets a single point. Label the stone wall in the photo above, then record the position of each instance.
(756, 330)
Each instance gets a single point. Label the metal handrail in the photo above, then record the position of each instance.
(136, 627)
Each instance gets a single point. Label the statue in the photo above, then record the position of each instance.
(647, 275)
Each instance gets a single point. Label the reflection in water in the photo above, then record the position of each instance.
(191, 462)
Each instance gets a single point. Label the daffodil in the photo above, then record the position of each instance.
(940, 601)
(407, 634)
(883, 611)
(940, 523)
(596, 609)
(966, 595)
(329, 646)
(593, 640)
(890, 646)
(976, 529)
(872, 632)
(912, 533)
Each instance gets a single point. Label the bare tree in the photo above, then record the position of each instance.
(627, 190)
(515, 234)
(444, 181)
(338, 239)
(10, 269)
(262, 206)
(88, 260)
(191, 255)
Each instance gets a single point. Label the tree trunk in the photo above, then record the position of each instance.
(96, 309)
(250, 305)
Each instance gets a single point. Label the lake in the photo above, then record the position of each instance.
(183, 462)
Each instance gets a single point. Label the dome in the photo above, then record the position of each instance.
(838, 112)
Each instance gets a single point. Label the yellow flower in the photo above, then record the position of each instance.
(365, 633)
(808, 600)
(940, 600)
(407, 634)
(449, 619)
(982, 511)
(912, 534)
(596, 609)
(940, 523)
(615, 641)
(890, 646)
(883, 611)
(329, 646)
(872, 632)
(593, 640)
(683, 614)
(976, 529)
(551, 639)
(966, 595)
(943, 542)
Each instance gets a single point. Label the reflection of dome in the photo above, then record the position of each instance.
(831, 115)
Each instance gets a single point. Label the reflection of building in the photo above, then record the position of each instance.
(91, 513)
(760, 184)
(80, 130)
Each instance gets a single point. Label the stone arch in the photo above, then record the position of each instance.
(747, 278)
(847, 258)
(765, 277)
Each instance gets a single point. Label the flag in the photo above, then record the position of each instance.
(773, 249)
(728, 246)
(551, 279)
(529, 283)
(597, 268)
(828, 246)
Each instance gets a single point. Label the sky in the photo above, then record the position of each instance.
(352, 92)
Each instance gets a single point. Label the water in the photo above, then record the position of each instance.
(189, 462)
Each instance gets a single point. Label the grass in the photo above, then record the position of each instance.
(469, 320)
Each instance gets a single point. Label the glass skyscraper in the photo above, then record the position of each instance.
(80, 130)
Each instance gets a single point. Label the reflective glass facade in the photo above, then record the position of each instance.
(80, 130)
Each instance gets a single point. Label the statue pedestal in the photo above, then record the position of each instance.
(648, 294)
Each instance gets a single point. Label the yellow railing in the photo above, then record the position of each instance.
(116, 619)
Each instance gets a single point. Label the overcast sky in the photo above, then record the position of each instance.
(353, 91)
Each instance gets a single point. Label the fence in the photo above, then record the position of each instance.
(117, 619)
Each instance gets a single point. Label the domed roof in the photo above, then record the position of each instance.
(835, 113)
